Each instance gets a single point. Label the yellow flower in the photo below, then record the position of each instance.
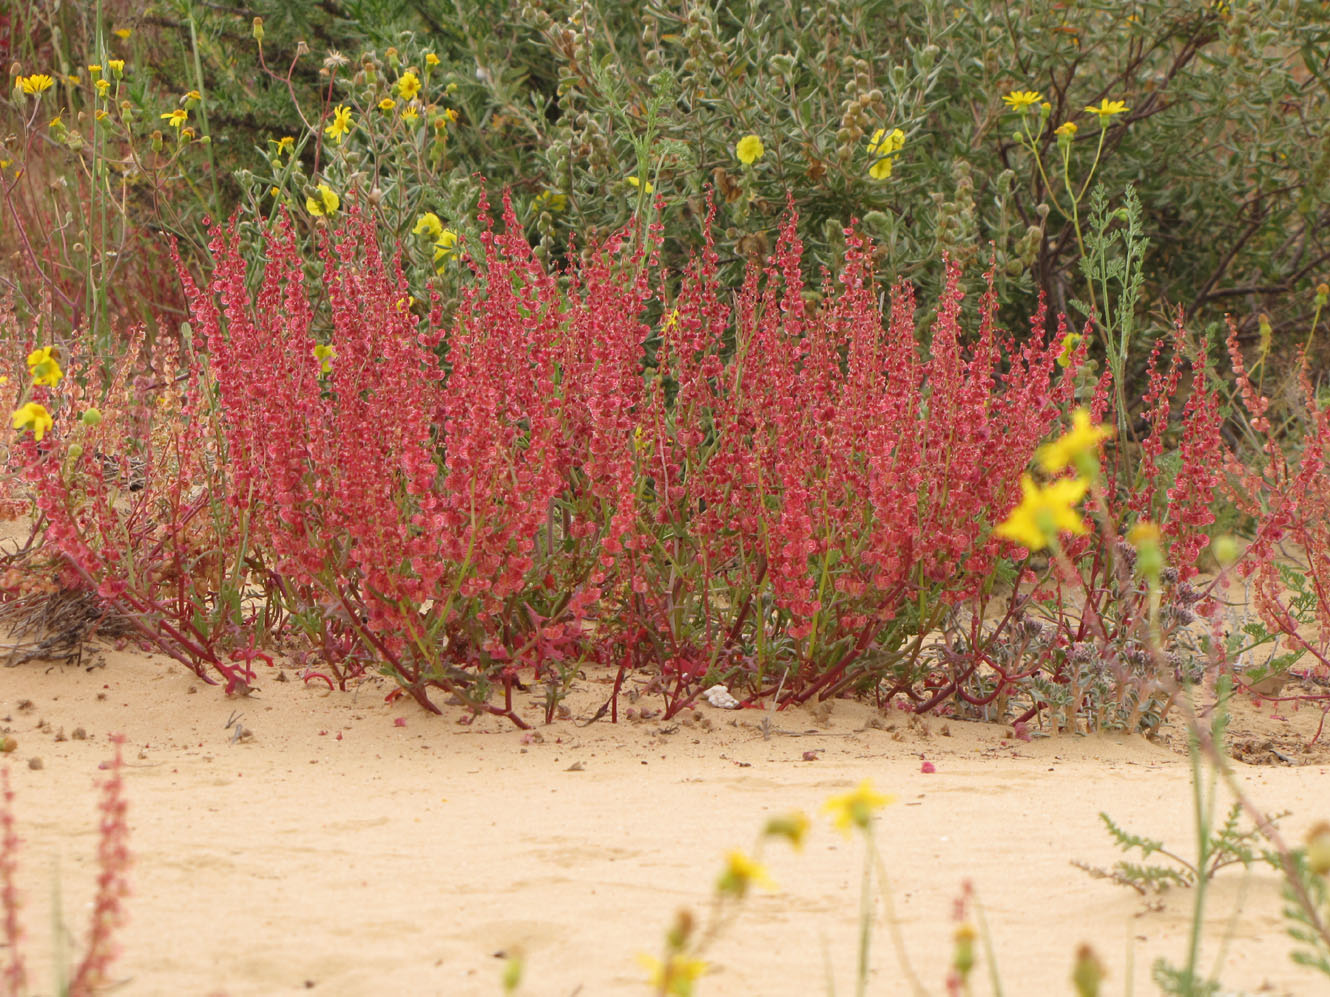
(792, 827)
(1069, 343)
(1079, 447)
(286, 143)
(1144, 532)
(341, 123)
(428, 224)
(35, 417)
(387, 104)
(35, 84)
(1065, 130)
(95, 69)
(1044, 512)
(1107, 108)
(749, 149)
(1019, 100)
(431, 59)
(740, 873)
(408, 85)
(176, 118)
(452, 115)
(411, 113)
(117, 66)
(856, 807)
(327, 204)
(324, 354)
(44, 367)
(883, 146)
(444, 245)
(101, 114)
(121, 33)
(193, 98)
(641, 184)
(552, 200)
(102, 87)
(675, 977)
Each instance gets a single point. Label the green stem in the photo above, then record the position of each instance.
(214, 202)
(1306, 347)
(1203, 804)
(865, 917)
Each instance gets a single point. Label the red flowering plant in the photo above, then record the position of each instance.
(1107, 628)
(91, 974)
(405, 479)
(816, 490)
(125, 474)
(1287, 563)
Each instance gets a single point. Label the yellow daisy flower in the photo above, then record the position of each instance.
(33, 416)
(1020, 100)
(856, 808)
(1045, 512)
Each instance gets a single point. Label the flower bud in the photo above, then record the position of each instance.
(962, 959)
(91, 417)
(1322, 293)
(75, 451)
(258, 30)
(677, 937)
(1088, 973)
(1318, 849)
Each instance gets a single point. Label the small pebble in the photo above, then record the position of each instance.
(719, 697)
(35, 763)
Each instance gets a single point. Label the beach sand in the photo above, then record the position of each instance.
(352, 846)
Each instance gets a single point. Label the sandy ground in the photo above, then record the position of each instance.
(351, 846)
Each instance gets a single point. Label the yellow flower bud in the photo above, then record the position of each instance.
(1318, 849)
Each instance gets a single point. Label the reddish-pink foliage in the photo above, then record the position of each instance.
(113, 860)
(1185, 509)
(15, 976)
(451, 483)
(1289, 496)
(128, 499)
